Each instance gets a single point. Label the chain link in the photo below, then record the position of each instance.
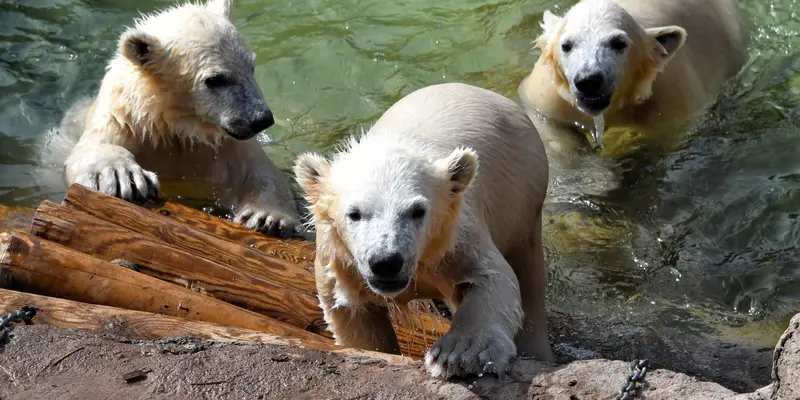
(7, 322)
(634, 382)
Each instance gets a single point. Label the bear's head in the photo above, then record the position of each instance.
(601, 57)
(384, 209)
(197, 70)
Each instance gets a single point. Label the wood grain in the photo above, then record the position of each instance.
(211, 247)
(108, 241)
(42, 267)
(297, 251)
(149, 326)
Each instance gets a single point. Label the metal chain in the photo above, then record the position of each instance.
(634, 382)
(7, 321)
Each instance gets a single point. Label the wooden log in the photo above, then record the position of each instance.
(298, 251)
(228, 243)
(46, 268)
(107, 241)
(149, 326)
(208, 246)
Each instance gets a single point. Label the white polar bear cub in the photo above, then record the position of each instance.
(405, 213)
(179, 105)
(653, 63)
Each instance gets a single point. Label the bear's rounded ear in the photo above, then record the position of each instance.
(221, 7)
(666, 41)
(550, 24)
(459, 168)
(310, 169)
(550, 21)
(140, 48)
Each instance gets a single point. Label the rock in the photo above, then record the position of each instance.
(602, 379)
(39, 363)
(42, 361)
(786, 363)
(706, 358)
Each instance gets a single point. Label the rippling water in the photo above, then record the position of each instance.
(704, 239)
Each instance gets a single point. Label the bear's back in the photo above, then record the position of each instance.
(715, 48)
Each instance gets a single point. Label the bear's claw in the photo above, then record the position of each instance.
(470, 353)
(270, 223)
(127, 181)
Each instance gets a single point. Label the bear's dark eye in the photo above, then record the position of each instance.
(354, 215)
(216, 81)
(418, 212)
(566, 47)
(618, 44)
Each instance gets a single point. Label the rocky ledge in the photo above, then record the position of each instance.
(42, 361)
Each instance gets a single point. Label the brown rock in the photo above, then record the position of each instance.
(602, 379)
(786, 363)
(34, 366)
(46, 362)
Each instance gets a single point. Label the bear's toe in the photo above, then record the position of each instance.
(268, 223)
(463, 354)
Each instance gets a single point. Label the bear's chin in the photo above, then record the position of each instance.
(388, 288)
(593, 106)
(240, 137)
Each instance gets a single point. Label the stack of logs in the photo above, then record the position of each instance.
(162, 269)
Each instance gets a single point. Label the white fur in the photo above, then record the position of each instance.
(177, 111)
(675, 58)
(477, 245)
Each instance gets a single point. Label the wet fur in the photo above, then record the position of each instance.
(655, 90)
(482, 250)
(149, 128)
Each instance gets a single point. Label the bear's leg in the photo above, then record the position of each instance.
(266, 200)
(488, 315)
(365, 327)
(562, 143)
(110, 169)
(529, 266)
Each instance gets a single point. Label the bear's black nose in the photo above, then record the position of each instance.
(264, 121)
(386, 266)
(590, 85)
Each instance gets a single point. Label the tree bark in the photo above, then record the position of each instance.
(47, 268)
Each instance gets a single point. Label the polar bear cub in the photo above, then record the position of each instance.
(635, 62)
(404, 212)
(179, 104)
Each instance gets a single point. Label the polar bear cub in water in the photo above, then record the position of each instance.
(179, 105)
(656, 64)
(404, 212)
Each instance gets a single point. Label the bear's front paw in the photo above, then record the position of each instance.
(268, 222)
(461, 354)
(126, 180)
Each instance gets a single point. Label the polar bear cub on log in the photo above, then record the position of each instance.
(179, 104)
(404, 212)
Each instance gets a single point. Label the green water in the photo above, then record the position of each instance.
(705, 239)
